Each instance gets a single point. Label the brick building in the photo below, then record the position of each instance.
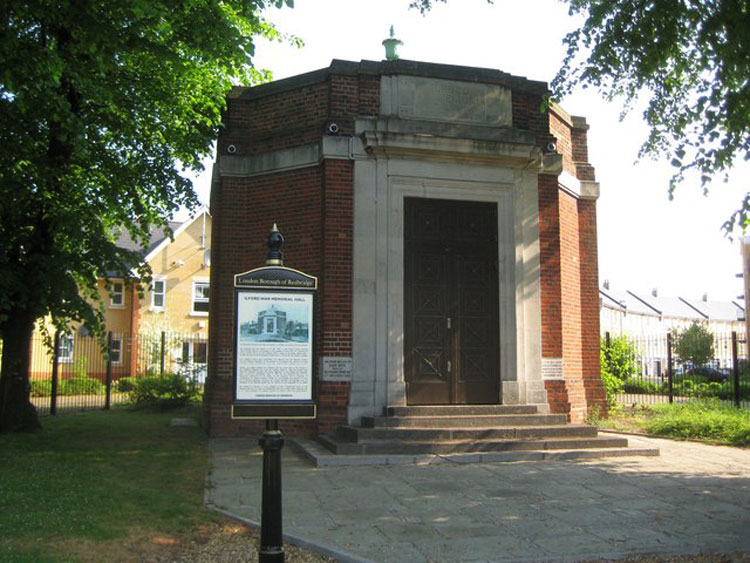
(451, 224)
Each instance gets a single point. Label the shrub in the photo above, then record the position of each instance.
(41, 388)
(125, 384)
(162, 393)
(641, 386)
(81, 386)
(619, 362)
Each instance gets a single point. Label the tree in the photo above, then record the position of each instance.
(100, 103)
(690, 59)
(695, 344)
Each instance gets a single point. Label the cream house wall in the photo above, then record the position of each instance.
(179, 264)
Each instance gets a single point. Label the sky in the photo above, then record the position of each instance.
(646, 241)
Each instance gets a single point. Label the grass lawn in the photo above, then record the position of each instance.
(101, 485)
(702, 420)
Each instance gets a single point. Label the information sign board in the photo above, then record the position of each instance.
(273, 344)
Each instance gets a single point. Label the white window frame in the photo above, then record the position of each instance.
(163, 281)
(195, 299)
(118, 340)
(67, 344)
(113, 294)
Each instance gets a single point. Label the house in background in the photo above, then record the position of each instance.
(646, 318)
(165, 326)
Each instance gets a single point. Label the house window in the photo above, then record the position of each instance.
(117, 294)
(200, 353)
(115, 350)
(194, 360)
(65, 348)
(158, 289)
(201, 296)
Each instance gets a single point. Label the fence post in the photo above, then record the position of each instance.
(55, 358)
(735, 371)
(670, 378)
(161, 364)
(108, 396)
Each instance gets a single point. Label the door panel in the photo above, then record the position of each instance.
(451, 317)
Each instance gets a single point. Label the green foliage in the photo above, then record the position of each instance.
(695, 344)
(81, 386)
(701, 419)
(116, 475)
(162, 393)
(637, 385)
(689, 60)
(103, 105)
(41, 387)
(619, 362)
(704, 419)
(125, 384)
(79, 367)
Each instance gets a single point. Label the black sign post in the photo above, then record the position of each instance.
(273, 369)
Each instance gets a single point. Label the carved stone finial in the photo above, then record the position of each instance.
(391, 44)
(275, 256)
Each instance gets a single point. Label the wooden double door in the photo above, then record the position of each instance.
(451, 340)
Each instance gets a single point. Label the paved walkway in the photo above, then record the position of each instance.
(692, 498)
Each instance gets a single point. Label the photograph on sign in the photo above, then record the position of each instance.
(274, 346)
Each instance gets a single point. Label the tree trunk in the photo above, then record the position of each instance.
(17, 414)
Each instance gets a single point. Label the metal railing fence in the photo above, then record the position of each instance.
(661, 376)
(75, 372)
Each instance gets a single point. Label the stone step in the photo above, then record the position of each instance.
(356, 434)
(463, 421)
(388, 447)
(321, 456)
(459, 410)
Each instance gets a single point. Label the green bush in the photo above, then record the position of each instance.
(81, 386)
(641, 386)
(162, 393)
(619, 362)
(125, 384)
(41, 387)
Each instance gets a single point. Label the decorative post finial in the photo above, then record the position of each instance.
(391, 44)
(275, 256)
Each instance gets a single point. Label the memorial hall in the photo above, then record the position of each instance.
(449, 215)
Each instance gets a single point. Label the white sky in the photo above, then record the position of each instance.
(645, 240)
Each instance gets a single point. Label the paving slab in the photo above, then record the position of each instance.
(692, 498)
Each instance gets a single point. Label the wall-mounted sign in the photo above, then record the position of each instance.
(273, 344)
(335, 368)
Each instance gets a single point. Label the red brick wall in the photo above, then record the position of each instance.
(244, 210)
(591, 372)
(569, 280)
(312, 208)
(549, 251)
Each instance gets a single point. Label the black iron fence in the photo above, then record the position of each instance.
(658, 374)
(77, 372)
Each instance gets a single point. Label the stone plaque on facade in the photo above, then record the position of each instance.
(552, 368)
(453, 101)
(335, 368)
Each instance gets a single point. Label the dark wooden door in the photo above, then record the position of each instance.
(451, 305)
